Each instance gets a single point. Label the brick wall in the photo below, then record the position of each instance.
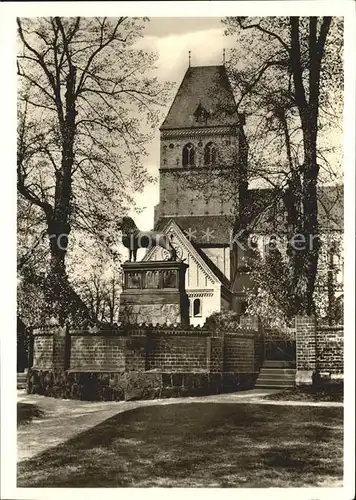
(179, 194)
(216, 354)
(91, 352)
(135, 353)
(61, 349)
(239, 352)
(43, 351)
(305, 342)
(172, 149)
(170, 350)
(177, 354)
(330, 350)
(320, 350)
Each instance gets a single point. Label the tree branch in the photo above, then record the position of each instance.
(266, 31)
(102, 45)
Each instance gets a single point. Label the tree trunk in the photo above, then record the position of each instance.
(308, 112)
(240, 231)
(310, 211)
(59, 225)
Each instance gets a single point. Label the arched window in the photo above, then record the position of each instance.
(210, 154)
(188, 159)
(333, 254)
(243, 307)
(272, 244)
(254, 241)
(197, 307)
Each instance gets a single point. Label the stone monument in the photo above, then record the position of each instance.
(154, 292)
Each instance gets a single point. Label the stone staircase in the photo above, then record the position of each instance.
(277, 375)
(21, 380)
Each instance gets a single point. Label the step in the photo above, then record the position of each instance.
(273, 380)
(274, 386)
(278, 364)
(21, 380)
(278, 371)
(274, 383)
(276, 374)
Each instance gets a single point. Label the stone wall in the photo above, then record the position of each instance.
(118, 386)
(177, 354)
(43, 350)
(142, 349)
(239, 352)
(320, 351)
(154, 313)
(91, 352)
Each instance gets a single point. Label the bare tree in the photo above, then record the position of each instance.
(101, 294)
(80, 141)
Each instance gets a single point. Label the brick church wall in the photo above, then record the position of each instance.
(180, 193)
(172, 149)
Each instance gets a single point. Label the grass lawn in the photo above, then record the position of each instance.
(199, 445)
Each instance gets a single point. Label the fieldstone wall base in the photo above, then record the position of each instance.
(132, 386)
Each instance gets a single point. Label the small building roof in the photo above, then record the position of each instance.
(171, 224)
(266, 213)
(202, 229)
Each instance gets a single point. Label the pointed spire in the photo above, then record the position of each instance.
(189, 57)
(224, 57)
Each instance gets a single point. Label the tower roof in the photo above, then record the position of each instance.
(204, 98)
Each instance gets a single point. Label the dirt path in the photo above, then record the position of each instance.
(63, 419)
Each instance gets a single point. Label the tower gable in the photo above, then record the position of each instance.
(202, 131)
(204, 96)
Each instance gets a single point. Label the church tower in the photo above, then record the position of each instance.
(203, 157)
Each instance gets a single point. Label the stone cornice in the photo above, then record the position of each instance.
(200, 293)
(195, 169)
(199, 132)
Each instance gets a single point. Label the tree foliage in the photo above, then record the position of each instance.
(288, 75)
